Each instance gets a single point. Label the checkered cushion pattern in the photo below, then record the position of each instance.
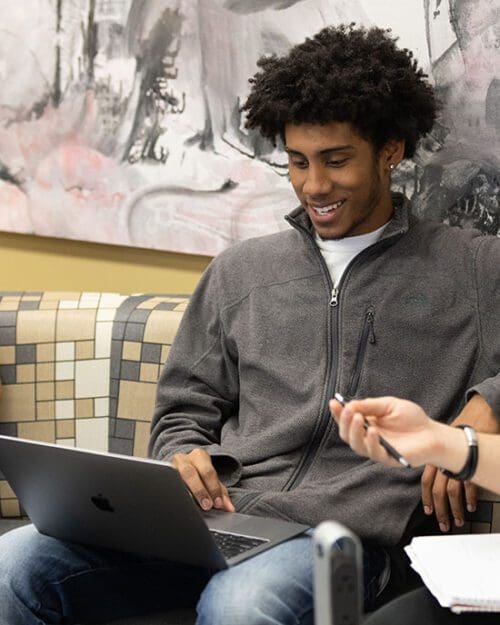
(80, 369)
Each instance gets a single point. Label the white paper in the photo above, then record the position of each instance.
(462, 571)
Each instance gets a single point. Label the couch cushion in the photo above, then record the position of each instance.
(143, 331)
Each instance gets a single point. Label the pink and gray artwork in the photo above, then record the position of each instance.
(120, 120)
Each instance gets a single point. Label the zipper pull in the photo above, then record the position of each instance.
(334, 299)
(371, 332)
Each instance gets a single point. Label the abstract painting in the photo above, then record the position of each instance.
(120, 120)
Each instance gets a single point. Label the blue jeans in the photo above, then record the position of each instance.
(45, 581)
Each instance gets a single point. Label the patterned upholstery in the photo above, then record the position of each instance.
(486, 518)
(80, 369)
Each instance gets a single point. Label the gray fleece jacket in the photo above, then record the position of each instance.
(263, 346)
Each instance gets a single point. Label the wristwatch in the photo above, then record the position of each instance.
(470, 465)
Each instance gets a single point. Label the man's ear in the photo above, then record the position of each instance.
(392, 153)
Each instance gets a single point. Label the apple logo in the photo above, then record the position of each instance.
(102, 503)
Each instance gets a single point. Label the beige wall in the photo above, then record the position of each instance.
(29, 263)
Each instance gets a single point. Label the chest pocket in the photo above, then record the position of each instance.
(367, 337)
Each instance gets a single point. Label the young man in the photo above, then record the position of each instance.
(357, 296)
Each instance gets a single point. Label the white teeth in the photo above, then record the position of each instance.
(324, 210)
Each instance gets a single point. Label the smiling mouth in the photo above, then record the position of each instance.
(324, 210)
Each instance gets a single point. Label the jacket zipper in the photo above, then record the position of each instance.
(367, 337)
(324, 416)
(334, 296)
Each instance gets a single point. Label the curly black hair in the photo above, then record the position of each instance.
(345, 73)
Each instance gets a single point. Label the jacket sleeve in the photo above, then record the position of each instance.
(487, 280)
(198, 389)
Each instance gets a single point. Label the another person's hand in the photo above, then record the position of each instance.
(200, 476)
(443, 496)
(402, 423)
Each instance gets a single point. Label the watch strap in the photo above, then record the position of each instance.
(470, 465)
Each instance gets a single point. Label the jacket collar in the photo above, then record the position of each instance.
(399, 223)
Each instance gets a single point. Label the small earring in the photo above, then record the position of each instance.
(391, 166)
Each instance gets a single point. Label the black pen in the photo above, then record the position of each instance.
(387, 446)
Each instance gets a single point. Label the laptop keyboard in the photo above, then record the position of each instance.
(233, 544)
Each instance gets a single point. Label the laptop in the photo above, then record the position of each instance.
(130, 504)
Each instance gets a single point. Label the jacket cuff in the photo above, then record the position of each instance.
(228, 467)
(489, 391)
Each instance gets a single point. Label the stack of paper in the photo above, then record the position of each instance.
(462, 571)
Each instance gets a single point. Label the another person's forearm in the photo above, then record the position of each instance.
(420, 439)
(450, 451)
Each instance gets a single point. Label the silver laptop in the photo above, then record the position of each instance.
(129, 504)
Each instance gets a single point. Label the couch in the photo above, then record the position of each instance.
(80, 369)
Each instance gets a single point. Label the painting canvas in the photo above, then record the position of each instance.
(120, 120)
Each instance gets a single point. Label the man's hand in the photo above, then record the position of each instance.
(198, 472)
(442, 495)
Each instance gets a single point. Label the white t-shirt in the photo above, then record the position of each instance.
(338, 253)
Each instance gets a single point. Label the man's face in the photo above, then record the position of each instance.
(340, 182)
